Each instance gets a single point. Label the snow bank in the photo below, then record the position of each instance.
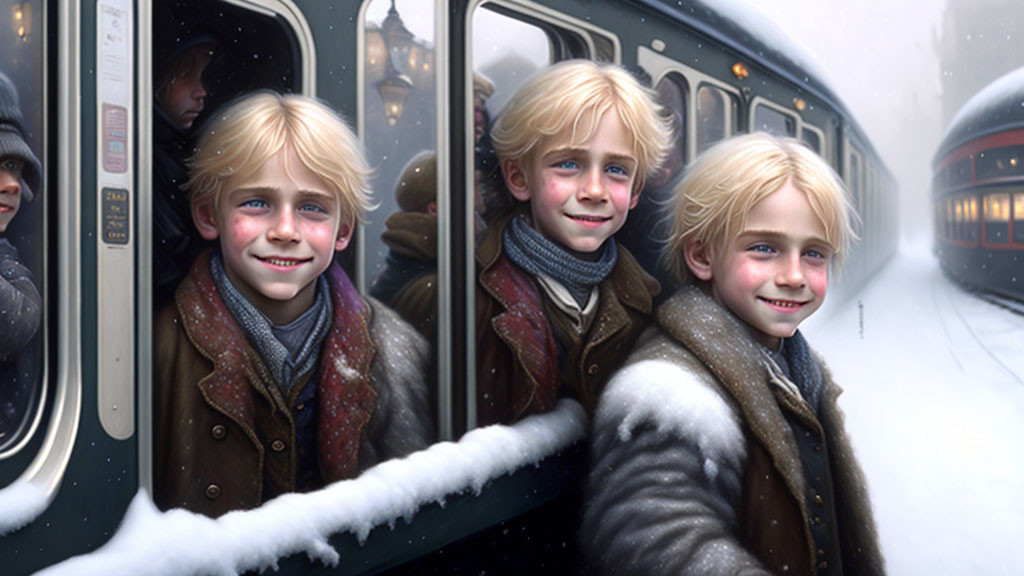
(20, 503)
(151, 542)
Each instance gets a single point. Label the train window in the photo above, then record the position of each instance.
(1002, 162)
(812, 137)
(399, 130)
(716, 114)
(767, 119)
(204, 55)
(507, 65)
(672, 94)
(23, 199)
(997, 218)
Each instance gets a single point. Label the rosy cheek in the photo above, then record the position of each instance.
(817, 281)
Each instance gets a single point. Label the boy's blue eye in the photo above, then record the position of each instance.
(313, 208)
(566, 165)
(817, 254)
(762, 249)
(254, 203)
(618, 170)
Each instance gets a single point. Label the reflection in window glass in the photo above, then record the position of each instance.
(400, 251)
(23, 192)
(715, 110)
(774, 122)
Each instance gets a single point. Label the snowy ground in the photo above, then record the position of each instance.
(934, 381)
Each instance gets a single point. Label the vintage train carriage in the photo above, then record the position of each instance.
(402, 71)
(978, 190)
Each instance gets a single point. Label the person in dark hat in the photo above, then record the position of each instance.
(20, 304)
(179, 99)
(408, 280)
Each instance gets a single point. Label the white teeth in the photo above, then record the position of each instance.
(784, 304)
(277, 262)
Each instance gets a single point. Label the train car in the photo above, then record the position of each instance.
(76, 450)
(976, 191)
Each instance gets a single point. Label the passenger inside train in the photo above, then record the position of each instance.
(179, 99)
(272, 373)
(723, 429)
(558, 304)
(20, 303)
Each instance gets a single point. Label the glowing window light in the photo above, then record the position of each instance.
(740, 71)
(1018, 206)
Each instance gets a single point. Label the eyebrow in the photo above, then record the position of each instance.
(271, 189)
(777, 235)
(576, 150)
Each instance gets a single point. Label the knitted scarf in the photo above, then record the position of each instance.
(289, 351)
(797, 362)
(533, 252)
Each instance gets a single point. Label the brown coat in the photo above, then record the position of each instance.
(517, 371)
(696, 470)
(223, 427)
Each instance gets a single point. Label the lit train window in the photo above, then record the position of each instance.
(997, 218)
(1003, 162)
(773, 121)
(1018, 218)
(23, 200)
(399, 129)
(716, 114)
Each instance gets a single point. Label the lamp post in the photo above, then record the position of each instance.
(396, 86)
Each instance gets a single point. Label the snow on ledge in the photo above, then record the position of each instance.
(20, 503)
(151, 542)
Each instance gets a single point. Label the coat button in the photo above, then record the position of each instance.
(219, 431)
(822, 564)
(277, 446)
(213, 491)
(819, 500)
(300, 407)
(593, 370)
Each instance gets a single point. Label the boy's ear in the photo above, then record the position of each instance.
(345, 229)
(698, 260)
(634, 199)
(204, 214)
(515, 179)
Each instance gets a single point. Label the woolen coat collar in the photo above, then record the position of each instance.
(345, 396)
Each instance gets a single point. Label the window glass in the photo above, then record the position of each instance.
(997, 218)
(812, 139)
(1018, 217)
(23, 196)
(400, 135)
(774, 122)
(716, 110)
(1003, 162)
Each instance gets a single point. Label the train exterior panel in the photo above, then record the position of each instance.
(978, 191)
(403, 74)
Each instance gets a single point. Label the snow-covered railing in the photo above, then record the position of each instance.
(151, 542)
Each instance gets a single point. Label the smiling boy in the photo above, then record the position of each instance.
(272, 373)
(558, 304)
(720, 447)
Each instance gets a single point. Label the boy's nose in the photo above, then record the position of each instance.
(283, 229)
(592, 188)
(9, 184)
(791, 273)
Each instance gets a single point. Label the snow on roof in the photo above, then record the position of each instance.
(151, 542)
(1000, 102)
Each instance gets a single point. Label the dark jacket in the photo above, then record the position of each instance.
(408, 281)
(517, 364)
(695, 467)
(222, 426)
(175, 239)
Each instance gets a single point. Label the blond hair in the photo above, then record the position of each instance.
(250, 131)
(575, 95)
(722, 186)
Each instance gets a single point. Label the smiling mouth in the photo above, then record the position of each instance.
(284, 262)
(586, 218)
(792, 304)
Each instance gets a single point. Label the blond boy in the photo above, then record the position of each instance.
(272, 373)
(558, 305)
(719, 448)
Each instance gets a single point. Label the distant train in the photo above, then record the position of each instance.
(978, 190)
(79, 429)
